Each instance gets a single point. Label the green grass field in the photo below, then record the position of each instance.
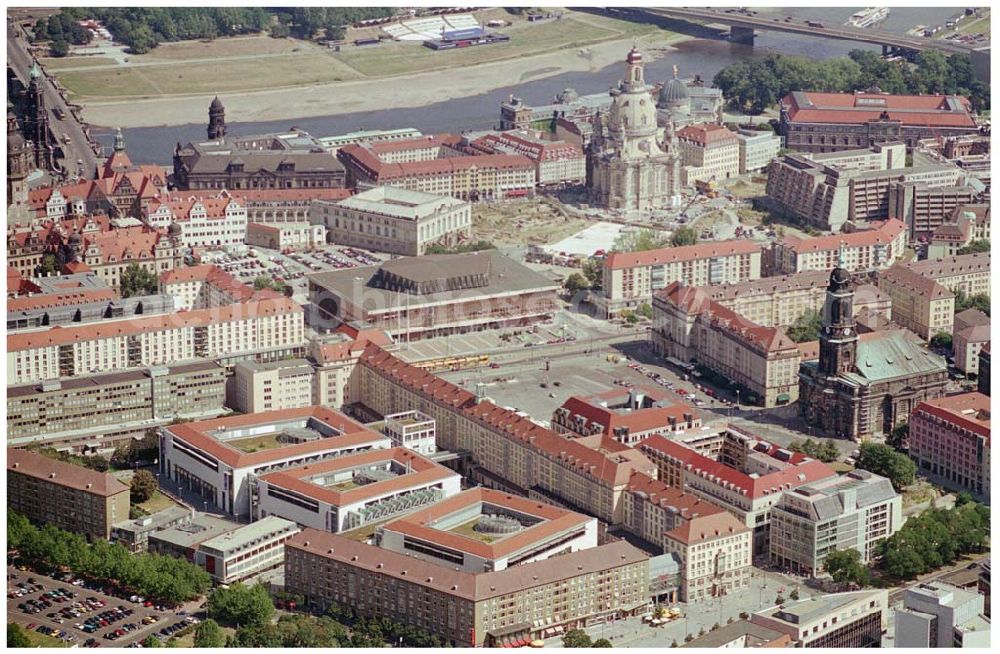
(256, 443)
(157, 502)
(53, 64)
(41, 640)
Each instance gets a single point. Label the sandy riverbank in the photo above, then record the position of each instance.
(369, 95)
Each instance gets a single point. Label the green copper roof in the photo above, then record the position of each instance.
(891, 355)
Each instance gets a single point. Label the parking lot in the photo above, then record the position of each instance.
(291, 267)
(83, 614)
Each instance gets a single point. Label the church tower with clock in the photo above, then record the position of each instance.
(838, 340)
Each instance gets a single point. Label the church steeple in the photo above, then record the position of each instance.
(119, 140)
(838, 340)
(216, 120)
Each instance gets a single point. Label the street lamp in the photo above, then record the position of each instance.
(737, 399)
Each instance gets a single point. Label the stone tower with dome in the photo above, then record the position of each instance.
(627, 165)
(216, 120)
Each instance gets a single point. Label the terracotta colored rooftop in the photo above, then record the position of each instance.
(905, 278)
(689, 506)
(422, 472)
(621, 260)
(553, 521)
(635, 421)
(213, 276)
(61, 299)
(694, 300)
(707, 134)
(416, 379)
(199, 435)
(65, 474)
(708, 527)
(962, 264)
(59, 335)
(467, 585)
(801, 471)
(881, 233)
(967, 410)
(855, 108)
(182, 206)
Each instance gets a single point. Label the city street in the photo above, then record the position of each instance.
(78, 148)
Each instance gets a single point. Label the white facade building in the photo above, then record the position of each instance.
(395, 220)
(757, 149)
(246, 552)
(356, 490)
(273, 386)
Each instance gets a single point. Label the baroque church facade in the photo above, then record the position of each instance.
(863, 386)
(633, 164)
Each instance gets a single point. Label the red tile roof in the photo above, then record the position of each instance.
(881, 233)
(89, 332)
(554, 520)
(620, 260)
(213, 276)
(65, 474)
(61, 299)
(378, 170)
(198, 434)
(708, 527)
(801, 471)
(856, 108)
(707, 134)
(967, 410)
(635, 421)
(688, 506)
(421, 472)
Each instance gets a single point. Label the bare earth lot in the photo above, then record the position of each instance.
(173, 83)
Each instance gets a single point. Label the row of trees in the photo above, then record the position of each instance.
(883, 460)
(935, 538)
(49, 549)
(641, 240)
(143, 28)
(308, 22)
(756, 84)
(461, 248)
(579, 638)
(62, 31)
(824, 451)
(979, 301)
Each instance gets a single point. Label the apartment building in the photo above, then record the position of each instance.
(433, 165)
(199, 221)
(508, 451)
(969, 273)
(829, 122)
(286, 236)
(983, 380)
(708, 152)
(950, 439)
(205, 286)
(92, 412)
(219, 459)
(354, 490)
(628, 416)
(436, 295)
(829, 190)
(761, 361)
(556, 162)
(631, 278)
(506, 531)
(936, 614)
(757, 149)
(971, 334)
(924, 206)
(182, 540)
(919, 303)
(747, 478)
(273, 386)
(716, 551)
(75, 298)
(850, 620)
(780, 301)
(274, 325)
(334, 360)
(67, 496)
(499, 608)
(967, 223)
(246, 552)
(855, 511)
(334, 143)
(394, 220)
(875, 248)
